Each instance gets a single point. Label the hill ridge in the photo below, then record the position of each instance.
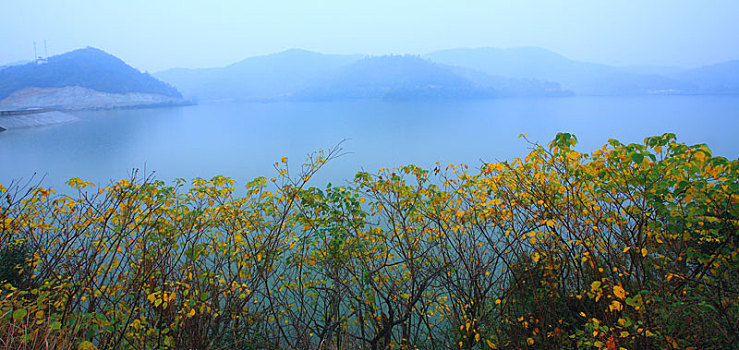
(90, 68)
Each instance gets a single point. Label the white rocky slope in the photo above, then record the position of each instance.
(34, 119)
(79, 98)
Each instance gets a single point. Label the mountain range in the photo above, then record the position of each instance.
(91, 78)
(260, 77)
(455, 73)
(586, 78)
(305, 75)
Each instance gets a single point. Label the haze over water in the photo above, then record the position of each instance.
(244, 140)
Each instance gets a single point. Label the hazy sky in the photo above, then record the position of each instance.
(153, 35)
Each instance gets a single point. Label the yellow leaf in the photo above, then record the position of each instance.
(191, 313)
(491, 344)
(536, 257)
(644, 252)
(595, 286)
(700, 156)
(477, 337)
(615, 306)
(619, 292)
(284, 159)
(532, 240)
(530, 341)
(86, 345)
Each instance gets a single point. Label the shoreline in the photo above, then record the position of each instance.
(34, 118)
(25, 111)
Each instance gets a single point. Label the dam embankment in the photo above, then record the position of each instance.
(32, 118)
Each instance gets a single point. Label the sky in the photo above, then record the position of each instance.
(154, 35)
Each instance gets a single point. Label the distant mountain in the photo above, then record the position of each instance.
(11, 64)
(88, 68)
(666, 71)
(721, 78)
(512, 87)
(305, 75)
(393, 77)
(456, 73)
(524, 62)
(409, 77)
(260, 77)
(537, 63)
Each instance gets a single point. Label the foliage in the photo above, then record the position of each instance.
(632, 246)
(12, 260)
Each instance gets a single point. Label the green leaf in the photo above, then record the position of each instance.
(637, 158)
(19, 314)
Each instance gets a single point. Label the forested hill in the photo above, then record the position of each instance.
(585, 78)
(394, 77)
(304, 75)
(88, 68)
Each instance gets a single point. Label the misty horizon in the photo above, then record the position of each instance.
(154, 36)
(42, 54)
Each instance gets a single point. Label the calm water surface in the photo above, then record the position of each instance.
(243, 140)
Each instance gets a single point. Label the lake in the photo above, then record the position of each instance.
(244, 140)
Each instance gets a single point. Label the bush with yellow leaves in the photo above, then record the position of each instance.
(630, 246)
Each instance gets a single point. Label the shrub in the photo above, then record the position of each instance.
(632, 246)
